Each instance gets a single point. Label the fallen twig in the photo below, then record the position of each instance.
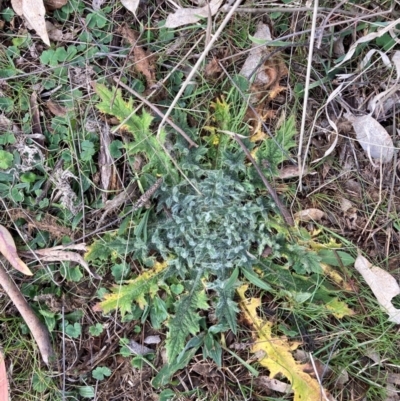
(38, 330)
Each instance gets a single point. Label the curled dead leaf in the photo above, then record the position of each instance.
(9, 251)
(59, 253)
(56, 109)
(372, 137)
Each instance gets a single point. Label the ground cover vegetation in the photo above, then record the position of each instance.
(199, 203)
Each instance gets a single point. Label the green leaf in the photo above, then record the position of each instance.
(144, 141)
(87, 392)
(6, 104)
(123, 296)
(96, 330)
(177, 288)
(119, 271)
(87, 150)
(254, 279)
(166, 395)
(73, 274)
(7, 138)
(158, 312)
(74, 330)
(6, 159)
(40, 383)
(115, 147)
(28, 177)
(335, 258)
(275, 151)
(101, 372)
(185, 322)
(212, 349)
(168, 370)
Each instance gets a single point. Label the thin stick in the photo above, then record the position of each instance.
(156, 110)
(197, 65)
(291, 10)
(282, 208)
(306, 90)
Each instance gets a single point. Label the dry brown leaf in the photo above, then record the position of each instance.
(56, 109)
(143, 60)
(52, 5)
(33, 11)
(185, 16)
(58, 254)
(255, 56)
(290, 172)
(311, 214)
(9, 251)
(4, 395)
(372, 137)
(131, 5)
(382, 284)
(53, 32)
(212, 69)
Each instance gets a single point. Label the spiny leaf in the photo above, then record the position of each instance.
(123, 296)
(145, 142)
(276, 151)
(277, 357)
(185, 322)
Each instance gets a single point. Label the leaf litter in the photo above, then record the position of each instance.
(342, 184)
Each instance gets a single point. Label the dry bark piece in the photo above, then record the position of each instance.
(36, 127)
(311, 214)
(38, 330)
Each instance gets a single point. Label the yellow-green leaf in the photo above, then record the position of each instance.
(276, 351)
